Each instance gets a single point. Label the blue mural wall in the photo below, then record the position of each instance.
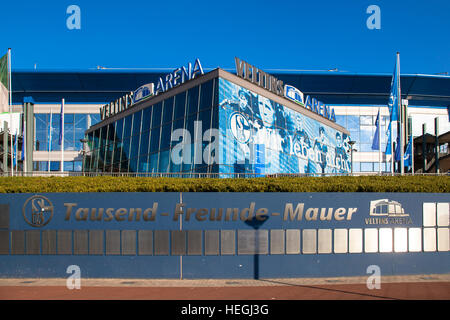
(259, 135)
(223, 235)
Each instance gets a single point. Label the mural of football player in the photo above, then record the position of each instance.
(341, 155)
(268, 134)
(321, 149)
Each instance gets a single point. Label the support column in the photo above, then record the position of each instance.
(29, 133)
(436, 152)
(424, 148)
(5, 146)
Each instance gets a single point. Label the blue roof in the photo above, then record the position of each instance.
(102, 86)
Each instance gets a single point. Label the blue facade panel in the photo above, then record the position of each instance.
(223, 235)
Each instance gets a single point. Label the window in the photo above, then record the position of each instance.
(168, 110)
(206, 94)
(137, 123)
(146, 119)
(156, 115)
(180, 104)
(192, 100)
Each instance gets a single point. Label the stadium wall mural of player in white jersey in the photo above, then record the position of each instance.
(258, 135)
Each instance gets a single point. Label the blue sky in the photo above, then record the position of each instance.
(305, 35)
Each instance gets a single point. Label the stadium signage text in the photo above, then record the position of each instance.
(291, 212)
(116, 106)
(269, 82)
(258, 77)
(179, 76)
(316, 106)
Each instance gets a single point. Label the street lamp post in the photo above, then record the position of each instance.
(351, 143)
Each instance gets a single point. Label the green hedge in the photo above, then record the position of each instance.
(436, 184)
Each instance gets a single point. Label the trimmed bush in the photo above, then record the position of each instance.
(429, 184)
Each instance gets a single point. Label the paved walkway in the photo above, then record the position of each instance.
(435, 287)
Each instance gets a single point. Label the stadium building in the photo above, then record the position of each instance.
(261, 129)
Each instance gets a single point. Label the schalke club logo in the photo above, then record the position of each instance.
(240, 127)
(37, 211)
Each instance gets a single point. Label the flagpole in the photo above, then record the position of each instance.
(10, 107)
(379, 141)
(392, 150)
(49, 139)
(412, 154)
(62, 136)
(400, 106)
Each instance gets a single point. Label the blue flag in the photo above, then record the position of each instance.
(14, 151)
(376, 140)
(397, 150)
(61, 124)
(49, 137)
(394, 94)
(388, 145)
(407, 158)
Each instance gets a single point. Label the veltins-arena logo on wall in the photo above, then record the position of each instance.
(385, 211)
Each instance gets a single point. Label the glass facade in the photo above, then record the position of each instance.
(362, 129)
(217, 127)
(141, 141)
(47, 130)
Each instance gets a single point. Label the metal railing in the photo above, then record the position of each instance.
(202, 175)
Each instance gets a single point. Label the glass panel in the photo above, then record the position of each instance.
(144, 165)
(119, 130)
(180, 104)
(146, 119)
(353, 123)
(156, 115)
(80, 126)
(95, 118)
(206, 95)
(168, 110)
(128, 123)
(77, 166)
(165, 137)
(144, 143)
(154, 162)
(341, 120)
(366, 167)
(137, 123)
(41, 132)
(164, 161)
(154, 140)
(193, 100)
(126, 149)
(133, 165)
(134, 147)
(366, 120)
(205, 118)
